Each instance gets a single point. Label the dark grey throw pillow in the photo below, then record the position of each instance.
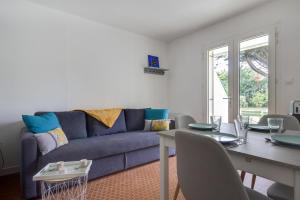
(73, 123)
(96, 128)
(135, 119)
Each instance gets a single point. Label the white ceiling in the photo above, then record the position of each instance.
(160, 19)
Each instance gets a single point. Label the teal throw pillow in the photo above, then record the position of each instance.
(42, 123)
(155, 114)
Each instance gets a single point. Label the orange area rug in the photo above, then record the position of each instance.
(140, 183)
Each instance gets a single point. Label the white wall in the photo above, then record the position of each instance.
(105, 68)
(50, 60)
(186, 55)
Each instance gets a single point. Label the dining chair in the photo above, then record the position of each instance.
(289, 122)
(278, 191)
(183, 121)
(205, 170)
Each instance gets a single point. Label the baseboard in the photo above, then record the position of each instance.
(9, 170)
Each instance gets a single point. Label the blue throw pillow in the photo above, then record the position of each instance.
(155, 114)
(42, 123)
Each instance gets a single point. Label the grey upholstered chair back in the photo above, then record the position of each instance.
(289, 122)
(182, 121)
(205, 170)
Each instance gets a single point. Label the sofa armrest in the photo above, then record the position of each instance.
(29, 159)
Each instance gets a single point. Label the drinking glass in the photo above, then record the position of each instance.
(243, 120)
(217, 121)
(275, 125)
(241, 132)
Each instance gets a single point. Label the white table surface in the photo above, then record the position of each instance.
(72, 170)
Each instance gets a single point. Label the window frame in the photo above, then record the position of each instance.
(271, 67)
(234, 55)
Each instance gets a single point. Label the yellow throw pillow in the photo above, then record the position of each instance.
(51, 140)
(59, 136)
(160, 125)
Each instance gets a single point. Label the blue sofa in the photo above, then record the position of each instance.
(123, 146)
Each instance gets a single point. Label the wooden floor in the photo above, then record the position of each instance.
(132, 184)
(10, 187)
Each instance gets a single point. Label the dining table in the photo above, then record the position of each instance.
(277, 162)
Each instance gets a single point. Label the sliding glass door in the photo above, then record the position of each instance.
(241, 78)
(219, 98)
(253, 77)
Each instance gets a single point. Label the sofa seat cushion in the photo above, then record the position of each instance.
(96, 128)
(102, 146)
(73, 123)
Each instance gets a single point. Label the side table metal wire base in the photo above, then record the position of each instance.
(65, 189)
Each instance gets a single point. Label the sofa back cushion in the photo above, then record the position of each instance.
(96, 128)
(73, 123)
(135, 119)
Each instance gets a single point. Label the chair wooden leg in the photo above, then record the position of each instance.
(253, 181)
(176, 191)
(243, 173)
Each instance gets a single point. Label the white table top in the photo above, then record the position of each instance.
(72, 170)
(256, 147)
